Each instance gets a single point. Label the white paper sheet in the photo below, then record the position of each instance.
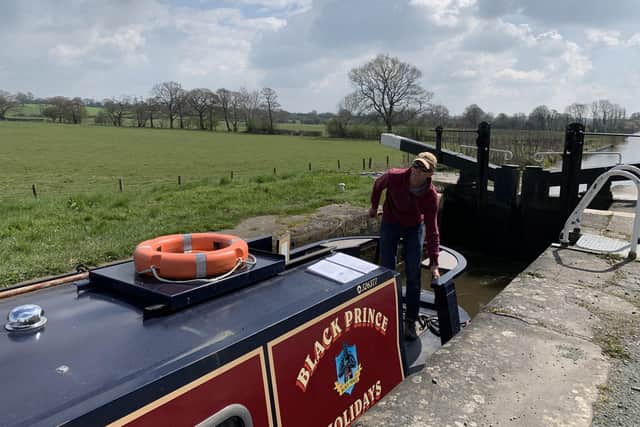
(352, 262)
(334, 271)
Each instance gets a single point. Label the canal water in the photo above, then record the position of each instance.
(484, 278)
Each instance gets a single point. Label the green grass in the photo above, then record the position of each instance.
(34, 110)
(64, 159)
(81, 217)
(301, 126)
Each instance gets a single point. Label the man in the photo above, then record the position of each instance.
(410, 208)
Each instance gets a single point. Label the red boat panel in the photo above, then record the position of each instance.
(331, 369)
(242, 381)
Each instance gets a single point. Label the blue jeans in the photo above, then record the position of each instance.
(413, 238)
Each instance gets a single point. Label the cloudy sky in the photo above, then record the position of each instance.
(504, 55)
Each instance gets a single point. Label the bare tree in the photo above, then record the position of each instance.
(271, 104)
(116, 108)
(140, 109)
(212, 103)
(200, 99)
(577, 112)
(7, 102)
(58, 105)
(154, 106)
(390, 88)
(437, 114)
(167, 94)
(249, 103)
(539, 117)
(182, 105)
(235, 109)
(76, 111)
(224, 96)
(473, 115)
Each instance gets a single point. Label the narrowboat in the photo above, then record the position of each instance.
(310, 336)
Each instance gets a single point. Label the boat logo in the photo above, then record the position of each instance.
(347, 369)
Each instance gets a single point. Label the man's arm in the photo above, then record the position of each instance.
(380, 184)
(432, 234)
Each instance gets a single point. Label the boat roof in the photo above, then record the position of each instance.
(97, 347)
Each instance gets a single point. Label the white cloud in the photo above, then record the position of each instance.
(504, 55)
(633, 41)
(106, 48)
(520, 75)
(602, 37)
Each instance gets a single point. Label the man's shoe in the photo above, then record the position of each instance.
(410, 333)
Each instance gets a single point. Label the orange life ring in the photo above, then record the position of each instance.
(190, 256)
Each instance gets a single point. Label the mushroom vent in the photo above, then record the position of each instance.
(26, 318)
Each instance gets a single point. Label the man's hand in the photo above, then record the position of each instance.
(435, 273)
(373, 212)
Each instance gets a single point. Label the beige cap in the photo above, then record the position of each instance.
(426, 161)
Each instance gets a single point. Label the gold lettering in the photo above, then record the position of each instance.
(303, 379)
(358, 407)
(366, 402)
(326, 337)
(348, 318)
(370, 315)
(378, 319)
(338, 422)
(370, 393)
(319, 351)
(311, 365)
(335, 328)
(345, 418)
(378, 388)
(385, 322)
(357, 315)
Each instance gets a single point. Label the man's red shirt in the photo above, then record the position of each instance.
(406, 209)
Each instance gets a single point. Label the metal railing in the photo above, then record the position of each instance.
(540, 155)
(508, 154)
(571, 230)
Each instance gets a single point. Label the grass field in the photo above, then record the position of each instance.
(34, 110)
(80, 216)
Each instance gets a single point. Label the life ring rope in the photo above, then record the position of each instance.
(239, 263)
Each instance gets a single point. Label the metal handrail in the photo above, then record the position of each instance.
(572, 225)
(458, 130)
(508, 154)
(539, 156)
(628, 135)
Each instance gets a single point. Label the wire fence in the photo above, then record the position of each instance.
(35, 186)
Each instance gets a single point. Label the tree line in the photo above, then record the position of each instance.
(387, 93)
(168, 106)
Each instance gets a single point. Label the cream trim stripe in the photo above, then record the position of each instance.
(187, 387)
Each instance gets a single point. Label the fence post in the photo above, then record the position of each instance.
(363, 164)
(571, 166)
(34, 190)
(482, 142)
(120, 184)
(370, 162)
(309, 165)
(439, 143)
(387, 162)
(338, 163)
(179, 180)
